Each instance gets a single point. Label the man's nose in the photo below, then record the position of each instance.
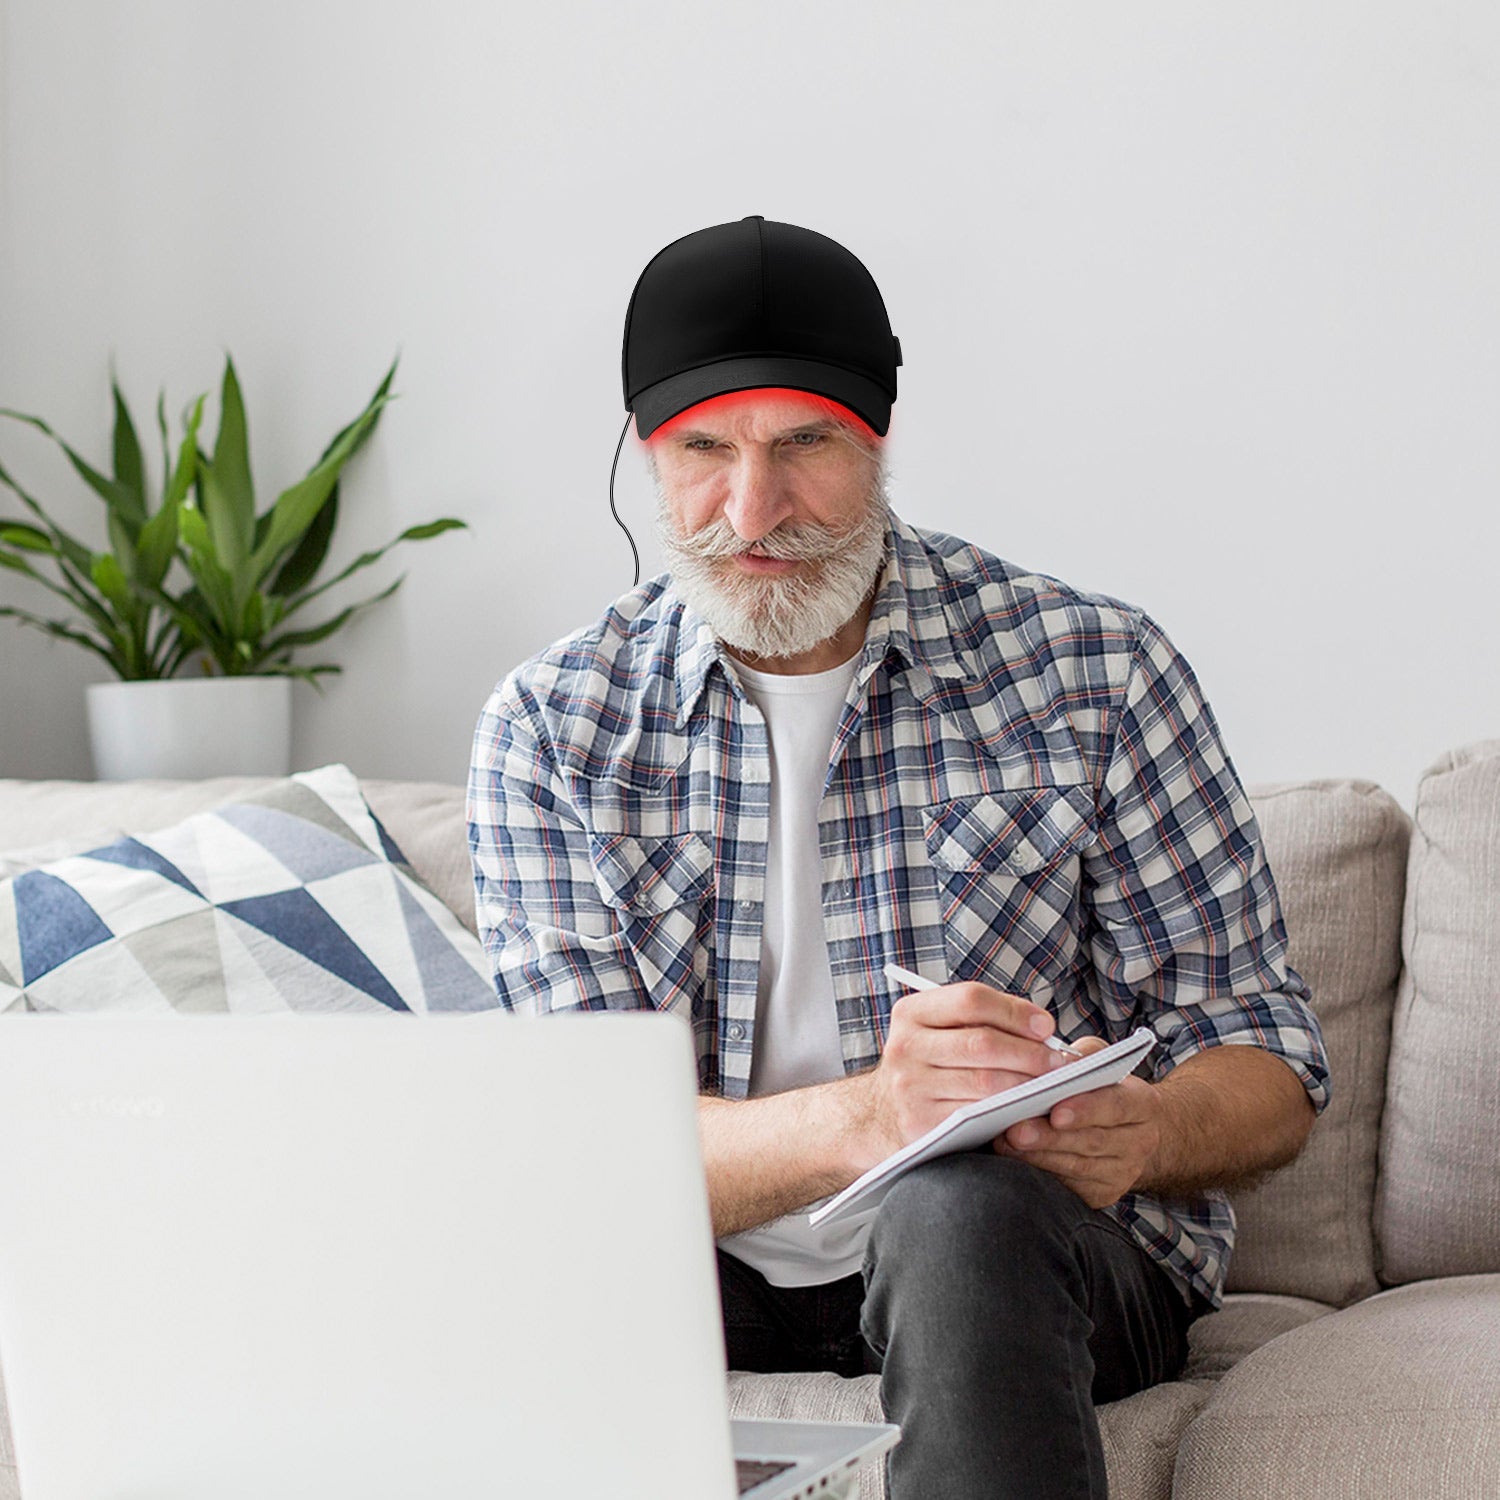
(758, 501)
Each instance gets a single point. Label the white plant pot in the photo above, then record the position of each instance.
(191, 727)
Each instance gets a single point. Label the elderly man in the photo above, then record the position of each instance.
(828, 741)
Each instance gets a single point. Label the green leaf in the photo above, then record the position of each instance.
(64, 632)
(295, 508)
(191, 600)
(157, 543)
(164, 645)
(307, 674)
(75, 592)
(215, 584)
(187, 459)
(294, 638)
(117, 496)
(68, 546)
(291, 578)
(377, 400)
(302, 566)
(411, 534)
(166, 442)
(122, 536)
(109, 578)
(188, 613)
(130, 471)
(24, 535)
(251, 623)
(195, 620)
(314, 633)
(80, 593)
(228, 496)
(231, 548)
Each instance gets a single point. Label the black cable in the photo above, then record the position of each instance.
(616, 514)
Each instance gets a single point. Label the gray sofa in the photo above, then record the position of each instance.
(1358, 1350)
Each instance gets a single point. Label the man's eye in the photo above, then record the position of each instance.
(813, 439)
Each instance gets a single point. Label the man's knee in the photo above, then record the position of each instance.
(976, 1206)
(971, 1255)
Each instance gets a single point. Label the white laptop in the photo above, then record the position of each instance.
(321, 1257)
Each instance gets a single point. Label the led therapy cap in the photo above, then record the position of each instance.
(756, 303)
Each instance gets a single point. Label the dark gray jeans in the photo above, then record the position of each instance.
(999, 1310)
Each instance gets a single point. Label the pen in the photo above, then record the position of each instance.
(897, 975)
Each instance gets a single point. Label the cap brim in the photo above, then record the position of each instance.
(661, 402)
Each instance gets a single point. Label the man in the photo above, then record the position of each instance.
(826, 742)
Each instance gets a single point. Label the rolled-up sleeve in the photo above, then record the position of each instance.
(1187, 931)
(553, 943)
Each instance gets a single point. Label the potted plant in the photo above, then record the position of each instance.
(247, 575)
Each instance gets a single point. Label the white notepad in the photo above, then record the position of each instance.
(984, 1119)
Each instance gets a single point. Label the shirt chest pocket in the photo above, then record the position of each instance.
(660, 890)
(1006, 875)
(1017, 832)
(646, 876)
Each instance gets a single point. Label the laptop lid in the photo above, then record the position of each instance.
(358, 1255)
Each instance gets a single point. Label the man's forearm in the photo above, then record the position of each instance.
(1230, 1115)
(766, 1157)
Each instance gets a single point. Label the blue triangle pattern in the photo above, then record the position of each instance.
(309, 852)
(295, 919)
(387, 843)
(137, 856)
(449, 982)
(53, 923)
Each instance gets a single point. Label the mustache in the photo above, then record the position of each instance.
(808, 541)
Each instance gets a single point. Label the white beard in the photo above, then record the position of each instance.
(769, 616)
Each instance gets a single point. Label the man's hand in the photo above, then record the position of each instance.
(1222, 1119)
(1098, 1143)
(948, 1047)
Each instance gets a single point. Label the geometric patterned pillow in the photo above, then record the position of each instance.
(293, 899)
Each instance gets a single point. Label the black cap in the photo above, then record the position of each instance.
(756, 303)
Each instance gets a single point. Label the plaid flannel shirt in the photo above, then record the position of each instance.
(1026, 788)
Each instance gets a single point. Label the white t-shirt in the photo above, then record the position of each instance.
(796, 1021)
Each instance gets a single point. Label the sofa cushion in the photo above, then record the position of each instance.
(1140, 1433)
(18, 861)
(1220, 1340)
(427, 820)
(1338, 852)
(1398, 1395)
(1438, 1207)
(37, 813)
(292, 897)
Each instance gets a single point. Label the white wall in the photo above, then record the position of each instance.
(1198, 305)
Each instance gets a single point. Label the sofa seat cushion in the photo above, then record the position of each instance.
(1220, 1340)
(1140, 1433)
(1398, 1395)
